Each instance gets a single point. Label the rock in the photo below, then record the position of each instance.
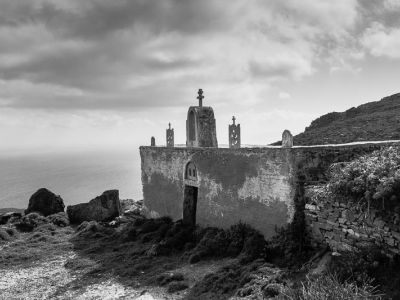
(103, 208)
(4, 218)
(45, 202)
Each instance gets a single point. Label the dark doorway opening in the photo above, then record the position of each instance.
(190, 205)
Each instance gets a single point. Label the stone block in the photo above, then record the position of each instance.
(396, 235)
(348, 215)
(311, 207)
(332, 223)
(379, 223)
(390, 241)
(329, 235)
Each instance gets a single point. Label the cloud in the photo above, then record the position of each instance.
(284, 95)
(120, 54)
(380, 41)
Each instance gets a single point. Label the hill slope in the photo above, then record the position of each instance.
(373, 121)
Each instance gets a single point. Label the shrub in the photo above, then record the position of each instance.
(12, 232)
(60, 219)
(239, 239)
(374, 178)
(31, 221)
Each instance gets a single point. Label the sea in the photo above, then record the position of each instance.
(77, 176)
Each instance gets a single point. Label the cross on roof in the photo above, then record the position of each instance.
(169, 124)
(200, 97)
(233, 119)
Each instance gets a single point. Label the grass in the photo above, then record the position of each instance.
(150, 252)
(329, 286)
(224, 283)
(30, 248)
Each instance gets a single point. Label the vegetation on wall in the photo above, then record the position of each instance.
(373, 178)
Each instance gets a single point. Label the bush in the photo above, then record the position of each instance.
(31, 221)
(374, 178)
(60, 219)
(239, 239)
(93, 229)
(329, 287)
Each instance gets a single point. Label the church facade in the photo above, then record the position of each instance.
(210, 186)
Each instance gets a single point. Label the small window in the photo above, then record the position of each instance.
(190, 172)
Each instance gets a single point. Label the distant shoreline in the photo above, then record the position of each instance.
(11, 209)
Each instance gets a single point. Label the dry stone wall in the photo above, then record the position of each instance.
(349, 226)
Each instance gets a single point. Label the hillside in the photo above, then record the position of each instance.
(373, 121)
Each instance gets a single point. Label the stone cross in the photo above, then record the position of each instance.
(170, 136)
(153, 141)
(200, 97)
(234, 134)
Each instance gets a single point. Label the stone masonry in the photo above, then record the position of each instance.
(349, 226)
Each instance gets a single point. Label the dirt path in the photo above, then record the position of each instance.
(43, 281)
(48, 279)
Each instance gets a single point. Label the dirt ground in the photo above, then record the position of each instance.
(45, 279)
(42, 271)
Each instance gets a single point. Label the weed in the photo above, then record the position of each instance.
(60, 219)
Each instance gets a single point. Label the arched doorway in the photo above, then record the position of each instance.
(190, 195)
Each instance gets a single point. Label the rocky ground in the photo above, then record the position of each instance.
(133, 257)
(128, 258)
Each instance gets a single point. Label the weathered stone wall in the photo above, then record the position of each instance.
(350, 226)
(255, 186)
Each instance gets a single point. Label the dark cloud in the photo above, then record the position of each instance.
(95, 19)
(133, 53)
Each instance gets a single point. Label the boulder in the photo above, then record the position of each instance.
(45, 202)
(103, 208)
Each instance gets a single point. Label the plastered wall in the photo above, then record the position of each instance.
(253, 185)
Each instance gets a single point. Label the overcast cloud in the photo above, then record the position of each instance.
(150, 56)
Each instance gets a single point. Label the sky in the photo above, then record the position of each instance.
(98, 73)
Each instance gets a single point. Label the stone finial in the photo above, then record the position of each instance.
(287, 139)
(153, 142)
(234, 134)
(200, 97)
(170, 136)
